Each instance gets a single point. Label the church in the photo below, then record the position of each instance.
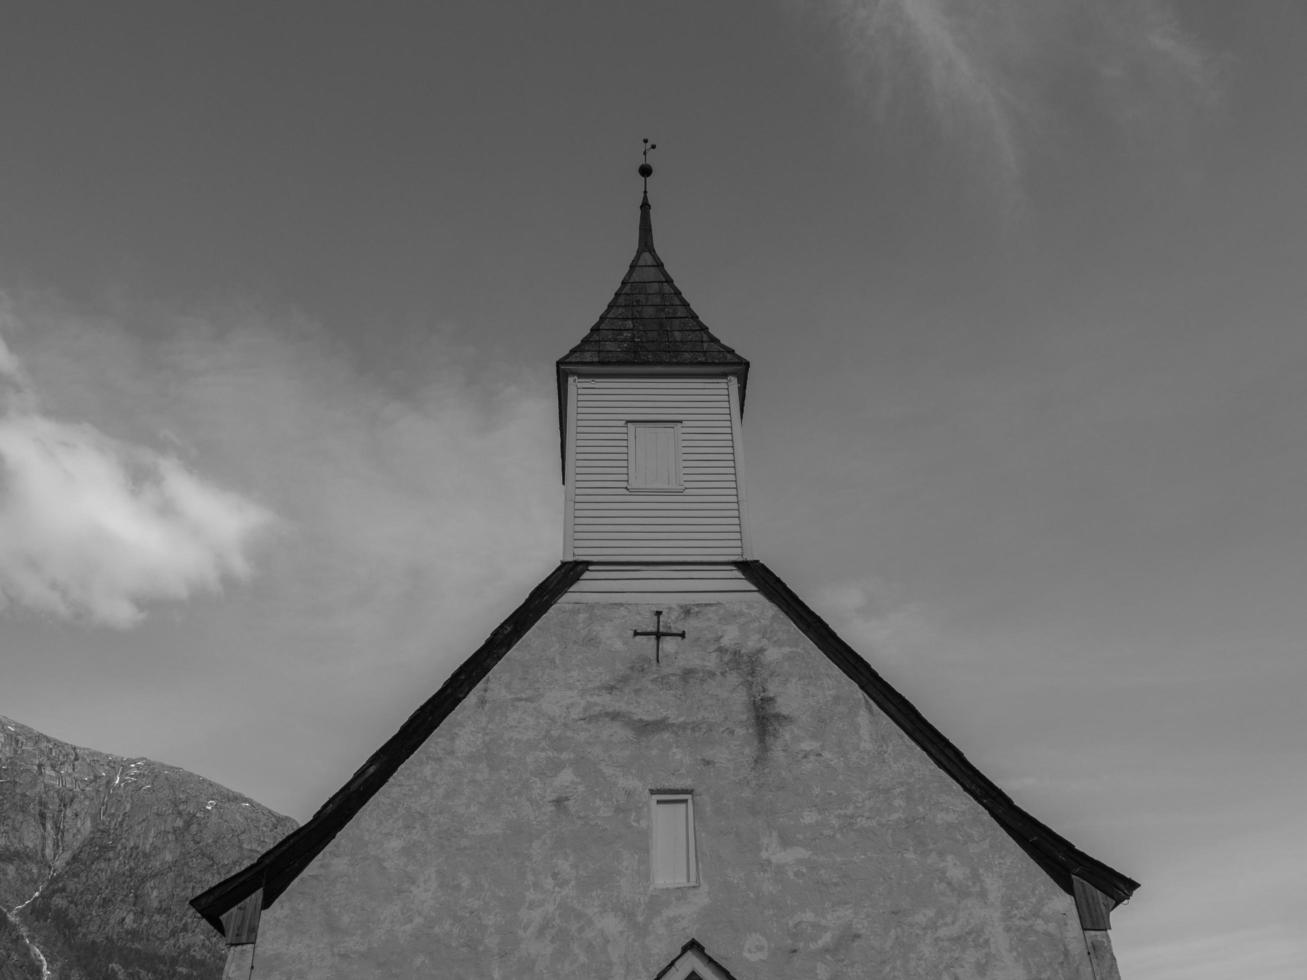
(664, 765)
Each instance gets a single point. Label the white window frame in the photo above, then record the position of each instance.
(692, 858)
(678, 482)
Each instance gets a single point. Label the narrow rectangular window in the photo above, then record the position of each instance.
(653, 455)
(671, 844)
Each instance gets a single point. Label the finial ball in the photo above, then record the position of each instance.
(646, 171)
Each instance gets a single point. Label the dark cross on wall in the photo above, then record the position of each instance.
(658, 633)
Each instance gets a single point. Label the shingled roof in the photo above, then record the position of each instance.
(648, 321)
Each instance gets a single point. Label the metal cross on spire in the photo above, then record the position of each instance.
(658, 633)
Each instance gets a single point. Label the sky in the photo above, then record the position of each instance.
(1022, 288)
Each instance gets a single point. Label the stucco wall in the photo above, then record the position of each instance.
(515, 842)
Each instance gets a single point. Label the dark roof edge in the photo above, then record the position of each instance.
(1052, 852)
(624, 285)
(277, 867)
(697, 946)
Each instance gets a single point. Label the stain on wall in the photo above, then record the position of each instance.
(515, 842)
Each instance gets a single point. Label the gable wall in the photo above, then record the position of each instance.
(610, 522)
(515, 842)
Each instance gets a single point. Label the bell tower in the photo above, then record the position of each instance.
(649, 413)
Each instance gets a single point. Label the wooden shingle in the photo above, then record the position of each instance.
(648, 321)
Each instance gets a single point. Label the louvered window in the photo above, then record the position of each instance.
(653, 455)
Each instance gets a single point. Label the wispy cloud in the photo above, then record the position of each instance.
(92, 526)
(401, 503)
(1000, 78)
(10, 371)
(867, 614)
(1180, 926)
(416, 494)
(1267, 953)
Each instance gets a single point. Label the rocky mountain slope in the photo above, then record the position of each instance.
(99, 855)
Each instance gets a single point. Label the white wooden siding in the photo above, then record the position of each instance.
(664, 583)
(610, 521)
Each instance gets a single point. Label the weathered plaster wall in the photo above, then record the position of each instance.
(515, 842)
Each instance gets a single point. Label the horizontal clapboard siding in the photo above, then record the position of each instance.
(700, 520)
(662, 583)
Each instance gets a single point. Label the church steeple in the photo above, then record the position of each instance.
(648, 321)
(655, 399)
(645, 241)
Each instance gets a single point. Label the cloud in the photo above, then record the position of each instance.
(1267, 953)
(10, 370)
(413, 498)
(1000, 78)
(415, 483)
(1251, 923)
(92, 526)
(874, 623)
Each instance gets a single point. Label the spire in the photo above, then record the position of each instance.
(648, 321)
(645, 242)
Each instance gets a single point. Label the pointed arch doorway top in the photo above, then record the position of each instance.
(694, 963)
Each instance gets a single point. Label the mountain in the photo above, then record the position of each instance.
(99, 855)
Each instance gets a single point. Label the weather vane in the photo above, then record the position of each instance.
(646, 171)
